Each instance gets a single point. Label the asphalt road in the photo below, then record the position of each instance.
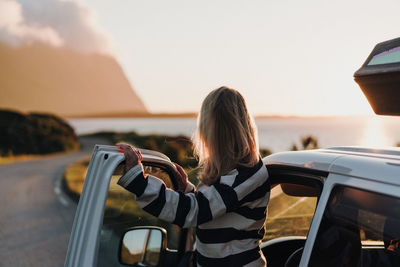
(35, 215)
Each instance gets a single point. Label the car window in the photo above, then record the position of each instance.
(288, 215)
(358, 228)
(389, 56)
(122, 212)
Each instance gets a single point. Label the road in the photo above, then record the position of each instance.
(35, 215)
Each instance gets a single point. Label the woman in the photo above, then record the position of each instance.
(228, 207)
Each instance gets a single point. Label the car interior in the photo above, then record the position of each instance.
(359, 228)
(302, 188)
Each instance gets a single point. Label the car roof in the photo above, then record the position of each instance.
(382, 165)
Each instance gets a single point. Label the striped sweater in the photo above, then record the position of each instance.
(229, 215)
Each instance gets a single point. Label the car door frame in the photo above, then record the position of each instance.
(286, 173)
(85, 235)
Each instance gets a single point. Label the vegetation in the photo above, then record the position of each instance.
(265, 152)
(288, 215)
(307, 142)
(34, 133)
(74, 178)
(12, 159)
(178, 148)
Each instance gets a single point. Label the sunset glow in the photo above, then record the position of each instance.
(375, 134)
(286, 57)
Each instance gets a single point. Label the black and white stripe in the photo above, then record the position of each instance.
(240, 259)
(229, 215)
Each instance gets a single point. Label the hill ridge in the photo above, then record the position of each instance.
(41, 78)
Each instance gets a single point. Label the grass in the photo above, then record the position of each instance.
(25, 157)
(74, 178)
(289, 216)
(19, 158)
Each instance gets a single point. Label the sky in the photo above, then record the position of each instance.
(286, 57)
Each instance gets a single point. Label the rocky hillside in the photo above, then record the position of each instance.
(41, 78)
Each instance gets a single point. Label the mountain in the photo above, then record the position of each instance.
(42, 78)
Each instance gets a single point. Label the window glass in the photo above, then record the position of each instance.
(390, 56)
(132, 246)
(358, 228)
(141, 246)
(288, 215)
(122, 212)
(153, 248)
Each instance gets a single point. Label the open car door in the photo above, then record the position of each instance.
(109, 225)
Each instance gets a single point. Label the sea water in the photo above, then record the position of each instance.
(276, 134)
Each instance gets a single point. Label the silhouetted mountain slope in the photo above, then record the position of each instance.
(39, 77)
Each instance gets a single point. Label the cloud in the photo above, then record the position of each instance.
(13, 28)
(56, 22)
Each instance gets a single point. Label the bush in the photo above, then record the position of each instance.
(178, 148)
(307, 142)
(265, 152)
(34, 133)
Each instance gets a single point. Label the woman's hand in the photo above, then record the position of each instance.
(182, 178)
(132, 155)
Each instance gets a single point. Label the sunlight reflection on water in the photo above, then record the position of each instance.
(375, 133)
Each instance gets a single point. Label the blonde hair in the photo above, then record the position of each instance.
(226, 135)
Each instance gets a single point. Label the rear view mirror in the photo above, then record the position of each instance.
(143, 246)
(379, 78)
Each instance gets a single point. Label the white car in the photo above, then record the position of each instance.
(329, 207)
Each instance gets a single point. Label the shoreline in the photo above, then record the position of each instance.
(194, 115)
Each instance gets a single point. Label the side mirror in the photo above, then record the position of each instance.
(143, 246)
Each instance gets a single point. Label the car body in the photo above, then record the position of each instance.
(329, 207)
(318, 172)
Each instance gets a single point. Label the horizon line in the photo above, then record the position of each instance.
(195, 114)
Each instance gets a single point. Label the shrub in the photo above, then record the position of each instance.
(178, 148)
(265, 152)
(307, 142)
(34, 133)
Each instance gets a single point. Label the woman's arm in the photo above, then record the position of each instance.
(185, 210)
(191, 209)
